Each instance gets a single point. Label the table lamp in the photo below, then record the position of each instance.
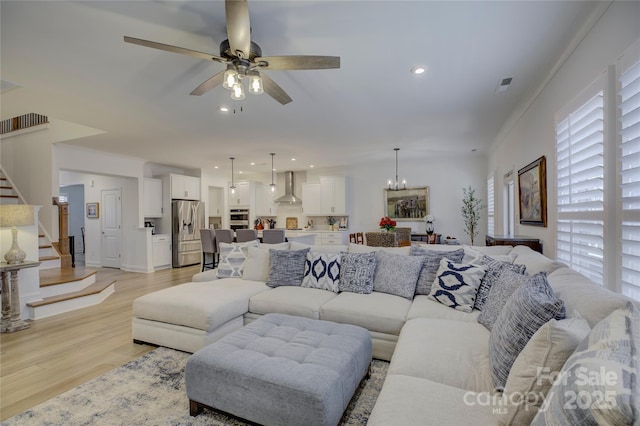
(12, 215)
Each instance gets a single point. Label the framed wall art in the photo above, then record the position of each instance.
(93, 210)
(532, 187)
(410, 204)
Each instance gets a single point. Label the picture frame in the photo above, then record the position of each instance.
(532, 189)
(407, 205)
(93, 210)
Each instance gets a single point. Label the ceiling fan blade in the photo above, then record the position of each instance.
(214, 81)
(299, 62)
(272, 89)
(238, 27)
(174, 49)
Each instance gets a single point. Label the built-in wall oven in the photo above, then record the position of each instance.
(239, 219)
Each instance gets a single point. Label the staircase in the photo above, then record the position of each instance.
(62, 289)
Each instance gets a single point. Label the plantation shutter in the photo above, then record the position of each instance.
(580, 188)
(490, 206)
(629, 98)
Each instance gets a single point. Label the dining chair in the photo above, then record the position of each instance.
(244, 235)
(207, 240)
(381, 239)
(273, 236)
(352, 238)
(403, 237)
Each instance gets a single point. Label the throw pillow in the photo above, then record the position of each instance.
(456, 284)
(532, 305)
(397, 274)
(494, 268)
(539, 362)
(256, 267)
(432, 260)
(232, 258)
(357, 271)
(286, 267)
(322, 270)
(604, 368)
(503, 287)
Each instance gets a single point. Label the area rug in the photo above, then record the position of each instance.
(151, 391)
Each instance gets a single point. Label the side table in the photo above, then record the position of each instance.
(11, 320)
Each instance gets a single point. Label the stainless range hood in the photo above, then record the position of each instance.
(288, 197)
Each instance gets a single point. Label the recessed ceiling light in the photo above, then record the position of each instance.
(240, 172)
(293, 159)
(311, 166)
(252, 163)
(215, 167)
(418, 70)
(223, 109)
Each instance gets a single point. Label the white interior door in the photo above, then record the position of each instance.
(111, 218)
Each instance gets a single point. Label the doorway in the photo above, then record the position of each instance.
(75, 197)
(111, 218)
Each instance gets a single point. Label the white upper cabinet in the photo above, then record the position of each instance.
(152, 197)
(241, 195)
(264, 201)
(185, 187)
(216, 201)
(325, 198)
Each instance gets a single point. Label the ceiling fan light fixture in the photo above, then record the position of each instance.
(255, 83)
(238, 92)
(231, 78)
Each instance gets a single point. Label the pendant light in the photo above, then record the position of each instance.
(273, 185)
(233, 186)
(395, 186)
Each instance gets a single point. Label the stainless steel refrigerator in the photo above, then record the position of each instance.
(187, 219)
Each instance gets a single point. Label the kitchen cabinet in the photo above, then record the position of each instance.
(185, 187)
(161, 251)
(216, 202)
(241, 196)
(152, 196)
(325, 198)
(264, 201)
(333, 238)
(311, 204)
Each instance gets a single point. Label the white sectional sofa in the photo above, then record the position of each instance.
(440, 368)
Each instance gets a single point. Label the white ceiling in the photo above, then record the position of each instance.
(72, 64)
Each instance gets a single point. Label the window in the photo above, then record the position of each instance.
(629, 174)
(490, 206)
(509, 195)
(580, 186)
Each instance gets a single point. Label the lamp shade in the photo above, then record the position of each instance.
(16, 215)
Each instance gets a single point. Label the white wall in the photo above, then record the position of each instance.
(533, 134)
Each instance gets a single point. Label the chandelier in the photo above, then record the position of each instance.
(234, 76)
(396, 185)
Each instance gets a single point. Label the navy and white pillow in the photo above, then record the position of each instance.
(232, 258)
(456, 284)
(494, 269)
(286, 267)
(431, 264)
(322, 270)
(357, 271)
(531, 305)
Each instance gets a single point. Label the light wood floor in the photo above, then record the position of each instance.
(60, 352)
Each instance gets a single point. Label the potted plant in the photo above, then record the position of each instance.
(471, 207)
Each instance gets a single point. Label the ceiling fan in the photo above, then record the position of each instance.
(244, 59)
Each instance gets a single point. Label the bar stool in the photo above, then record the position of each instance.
(273, 236)
(207, 240)
(244, 235)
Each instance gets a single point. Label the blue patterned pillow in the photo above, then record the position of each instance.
(531, 305)
(431, 264)
(286, 267)
(599, 383)
(232, 258)
(357, 271)
(397, 274)
(456, 285)
(494, 269)
(322, 270)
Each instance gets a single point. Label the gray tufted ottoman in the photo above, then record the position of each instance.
(281, 370)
